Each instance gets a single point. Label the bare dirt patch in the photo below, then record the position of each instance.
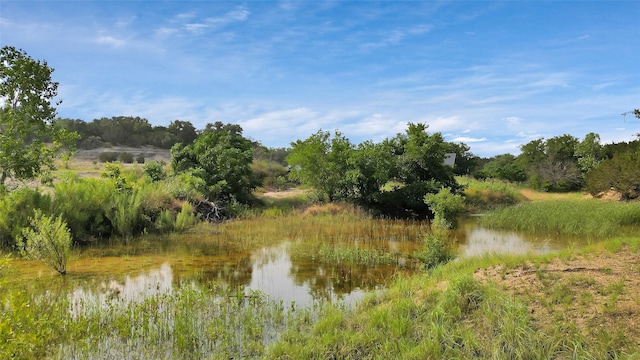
(284, 194)
(537, 195)
(598, 294)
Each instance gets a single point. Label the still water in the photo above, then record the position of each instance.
(151, 267)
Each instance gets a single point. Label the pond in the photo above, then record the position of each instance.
(152, 265)
(475, 240)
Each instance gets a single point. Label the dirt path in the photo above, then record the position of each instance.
(284, 193)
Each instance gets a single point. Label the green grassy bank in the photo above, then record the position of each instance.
(454, 312)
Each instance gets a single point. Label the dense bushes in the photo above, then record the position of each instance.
(489, 194)
(17, 208)
(621, 173)
(123, 157)
(118, 204)
(272, 175)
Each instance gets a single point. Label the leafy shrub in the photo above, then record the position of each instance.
(125, 157)
(185, 186)
(16, 209)
(621, 173)
(81, 202)
(164, 222)
(490, 194)
(156, 200)
(154, 170)
(48, 241)
(436, 251)
(114, 172)
(186, 218)
(108, 156)
(445, 206)
(125, 213)
(271, 174)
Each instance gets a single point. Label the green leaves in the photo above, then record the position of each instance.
(29, 142)
(223, 155)
(338, 170)
(48, 240)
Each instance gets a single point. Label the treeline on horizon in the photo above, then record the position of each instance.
(134, 131)
(561, 163)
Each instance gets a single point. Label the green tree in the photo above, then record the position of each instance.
(48, 240)
(370, 168)
(29, 140)
(420, 170)
(421, 158)
(222, 157)
(589, 152)
(621, 172)
(184, 131)
(552, 165)
(322, 162)
(466, 163)
(504, 167)
(392, 177)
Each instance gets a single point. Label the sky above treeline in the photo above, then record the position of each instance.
(494, 75)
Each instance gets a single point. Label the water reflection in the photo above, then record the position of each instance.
(120, 294)
(115, 276)
(474, 240)
(277, 276)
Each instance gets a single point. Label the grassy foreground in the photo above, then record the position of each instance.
(576, 305)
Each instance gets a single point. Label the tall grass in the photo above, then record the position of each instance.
(330, 224)
(447, 313)
(339, 255)
(190, 322)
(490, 193)
(186, 322)
(588, 217)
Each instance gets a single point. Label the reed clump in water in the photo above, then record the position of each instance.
(590, 218)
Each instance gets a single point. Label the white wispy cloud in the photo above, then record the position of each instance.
(110, 40)
(196, 28)
(398, 35)
(467, 139)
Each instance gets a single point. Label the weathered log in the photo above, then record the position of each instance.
(210, 211)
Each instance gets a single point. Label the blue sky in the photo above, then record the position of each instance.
(494, 75)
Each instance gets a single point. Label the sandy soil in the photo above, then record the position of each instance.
(596, 294)
(283, 194)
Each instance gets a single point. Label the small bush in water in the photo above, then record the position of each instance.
(48, 241)
(436, 251)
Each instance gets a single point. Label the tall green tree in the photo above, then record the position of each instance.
(221, 156)
(504, 167)
(589, 152)
(322, 162)
(29, 140)
(466, 163)
(184, 131)
(420, 169)
(371, 166)
(421, 157)
(551, 164)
